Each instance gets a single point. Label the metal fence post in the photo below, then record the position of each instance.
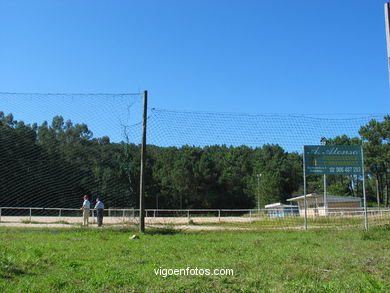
(30, 214)
(250, 216)
(219, 215)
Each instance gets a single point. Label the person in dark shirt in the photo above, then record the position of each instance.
(99, 207)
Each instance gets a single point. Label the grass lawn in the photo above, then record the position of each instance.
(82, 260)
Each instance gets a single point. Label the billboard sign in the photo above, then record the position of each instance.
(333, 159)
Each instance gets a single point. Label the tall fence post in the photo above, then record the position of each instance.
(219, 215)
(142, 168)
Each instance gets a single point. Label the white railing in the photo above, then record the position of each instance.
(31, 212)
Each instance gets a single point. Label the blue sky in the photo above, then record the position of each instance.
(247, 56)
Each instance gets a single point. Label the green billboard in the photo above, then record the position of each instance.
(333, 159)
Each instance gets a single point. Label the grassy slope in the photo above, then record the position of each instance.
(277, 261)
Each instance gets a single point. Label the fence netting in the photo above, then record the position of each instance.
(203, 170)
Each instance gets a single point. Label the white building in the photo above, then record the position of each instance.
(317, 205)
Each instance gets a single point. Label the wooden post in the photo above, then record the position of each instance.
(142, 175)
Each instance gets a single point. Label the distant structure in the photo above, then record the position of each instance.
(335, 204)
(281, 210)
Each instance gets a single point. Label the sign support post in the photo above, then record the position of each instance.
(364, 195)
(304, 190)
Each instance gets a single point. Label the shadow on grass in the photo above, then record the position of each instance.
(168, 230)
(377, 233)
(10, 268)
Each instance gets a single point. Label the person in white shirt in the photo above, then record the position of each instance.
(86, 207)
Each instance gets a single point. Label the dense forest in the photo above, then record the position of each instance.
(53, 165)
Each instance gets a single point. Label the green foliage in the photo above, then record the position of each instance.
(376, 137)
(53, 165)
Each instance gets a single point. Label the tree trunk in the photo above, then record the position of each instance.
(357, 185)
(385, 191)
(377, 192)
(352, 185)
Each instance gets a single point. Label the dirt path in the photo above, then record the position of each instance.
(148, 226)
(94, 226)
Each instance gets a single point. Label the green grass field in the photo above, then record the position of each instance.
(275, 261)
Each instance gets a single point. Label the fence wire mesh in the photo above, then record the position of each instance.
(204, 170)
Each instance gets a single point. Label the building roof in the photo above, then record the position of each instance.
(279, 205)
(329, 198)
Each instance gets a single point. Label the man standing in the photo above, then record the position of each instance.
(86, 207)
(99, 207)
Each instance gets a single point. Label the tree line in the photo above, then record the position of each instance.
(53, 165)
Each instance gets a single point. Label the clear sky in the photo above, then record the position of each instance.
(249, 56)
